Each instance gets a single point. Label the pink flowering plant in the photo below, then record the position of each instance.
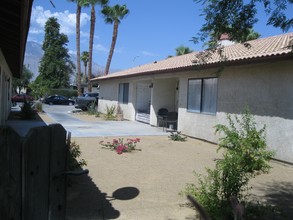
(120, 146)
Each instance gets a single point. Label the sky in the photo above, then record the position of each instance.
(151, 32)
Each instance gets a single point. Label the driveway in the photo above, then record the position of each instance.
(62, 114)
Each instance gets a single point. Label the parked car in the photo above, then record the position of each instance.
(85, 101)
(58, 100)
(22, 98)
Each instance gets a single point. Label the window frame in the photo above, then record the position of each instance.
(201, 98)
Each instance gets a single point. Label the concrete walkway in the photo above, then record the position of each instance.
(79, 128)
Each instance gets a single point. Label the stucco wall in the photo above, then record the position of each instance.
(108, 96)
(267, 90)
(5, 89)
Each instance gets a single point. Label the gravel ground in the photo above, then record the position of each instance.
(145, 184)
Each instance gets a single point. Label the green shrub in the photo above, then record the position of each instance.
(92, 108)
(245, 156)
(110, 112)
(38, 106)
(98, 114)
(74, 160)
(177, 136)
(26, 111)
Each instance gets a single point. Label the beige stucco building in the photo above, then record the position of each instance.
(203, 87)
(14, 26)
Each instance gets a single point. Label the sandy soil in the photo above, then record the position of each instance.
(146, 184)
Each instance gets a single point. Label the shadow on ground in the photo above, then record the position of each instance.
(86, 201)
(279, 195)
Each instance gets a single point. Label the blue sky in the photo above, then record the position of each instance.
(152, 30)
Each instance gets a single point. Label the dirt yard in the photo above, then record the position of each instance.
(146, 184)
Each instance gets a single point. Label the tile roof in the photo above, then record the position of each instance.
(259, 48)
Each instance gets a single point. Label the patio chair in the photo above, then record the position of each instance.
(171, 119)
(162, 114)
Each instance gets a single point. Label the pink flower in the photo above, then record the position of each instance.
(120, 149)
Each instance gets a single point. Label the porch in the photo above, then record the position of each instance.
(153, 95)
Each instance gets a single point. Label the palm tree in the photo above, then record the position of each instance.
(183, 50)
(252, 35)
(113, 15)
(79, 4)
(85, 59)
(92, 32)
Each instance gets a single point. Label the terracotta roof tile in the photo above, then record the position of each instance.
(263, 47)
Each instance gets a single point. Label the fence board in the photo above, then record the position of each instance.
(36, 171)
(10, 174)
(58, 165)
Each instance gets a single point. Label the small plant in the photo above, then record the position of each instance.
(38, 106)
(177, 136)
(119, 113)
(119, 146)
(245, 156)
(92, 108)
(98, 114)
(27, 112)
(110, 112)
(74, 160)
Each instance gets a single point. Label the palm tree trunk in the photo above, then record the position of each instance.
(114, 38)
(91, 42)
(84, 77)
(78, 11)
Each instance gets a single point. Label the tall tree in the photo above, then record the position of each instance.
(237, 18)
(78, 12)
(252, 35)
(113, 15)
(93, 3)
(85, 59)
(55, 66)
(79, 4)
(181, 50)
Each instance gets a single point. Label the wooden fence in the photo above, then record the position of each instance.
(32, 180)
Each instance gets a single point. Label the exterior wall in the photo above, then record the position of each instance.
(5, 89)
(108, 96)
(267, 90)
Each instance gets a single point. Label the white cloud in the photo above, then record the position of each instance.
(34, 30)
(149, 54)
(100, 47)
(66, 20)
(84, 34)
(72, 52)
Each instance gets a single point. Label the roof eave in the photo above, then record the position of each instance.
(14, 27)
(202, 67)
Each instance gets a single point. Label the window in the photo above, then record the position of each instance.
(123, 93)
(202, 95)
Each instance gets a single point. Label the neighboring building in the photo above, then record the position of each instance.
(14, 26)
(203, 87)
